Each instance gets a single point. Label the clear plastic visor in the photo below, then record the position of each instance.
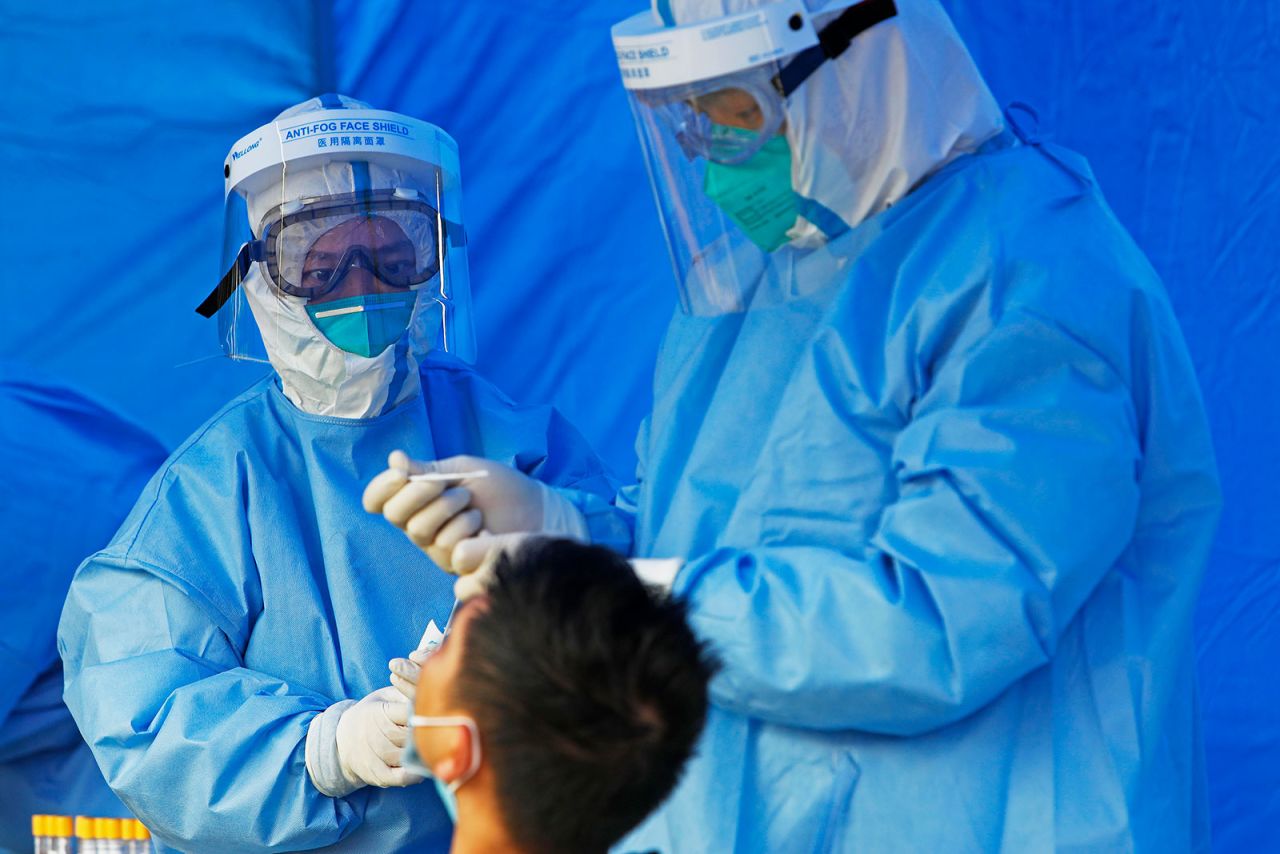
(358, 250)
(720, 165)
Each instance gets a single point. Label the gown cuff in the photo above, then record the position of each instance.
(560, 518)
(323, 765)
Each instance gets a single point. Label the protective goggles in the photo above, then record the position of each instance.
(307, 247)
(706, 120)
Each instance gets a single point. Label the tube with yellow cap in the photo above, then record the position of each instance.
(139, 838)
(86, 835)
(59, 829)
(40, 833)
(109, 840)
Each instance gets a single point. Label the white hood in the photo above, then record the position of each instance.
(318, 377)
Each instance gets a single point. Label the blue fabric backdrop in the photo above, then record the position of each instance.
(117, 117)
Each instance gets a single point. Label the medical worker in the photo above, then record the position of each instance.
(66, 459)
(226, 655)
(927, 454)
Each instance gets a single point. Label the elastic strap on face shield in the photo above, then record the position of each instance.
(231, 280)
(833, 41)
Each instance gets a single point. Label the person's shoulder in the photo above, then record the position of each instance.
(211, 453)
(1045, 194)
(1033, 210)
(231, 419)
(206, 465)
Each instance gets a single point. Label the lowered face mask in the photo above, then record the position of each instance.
(756, 194)
(364, 325)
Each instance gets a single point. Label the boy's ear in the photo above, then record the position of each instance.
(457, 758)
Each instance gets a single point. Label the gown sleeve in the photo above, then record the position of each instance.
(1017, 480)
(574, 470)
(197, 745)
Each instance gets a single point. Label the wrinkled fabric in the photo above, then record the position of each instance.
(72, 469)
(248, 591)
(945, 520)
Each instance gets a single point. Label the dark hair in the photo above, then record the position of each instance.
(590, 691)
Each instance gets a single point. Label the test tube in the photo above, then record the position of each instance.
(142, 837)
(109, 841)
(40, 833)
(60, 830)
(132, 832)
(86, 835)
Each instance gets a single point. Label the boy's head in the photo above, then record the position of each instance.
(588, 691)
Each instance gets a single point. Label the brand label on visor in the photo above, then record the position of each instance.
(314, 137)
(651, 56)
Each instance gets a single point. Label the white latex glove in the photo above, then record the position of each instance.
(405, 671)
(657, 572)
(438, 516)
(354, 744)
(474, 561)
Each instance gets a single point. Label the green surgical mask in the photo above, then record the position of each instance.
(364, 325)
(756, 194)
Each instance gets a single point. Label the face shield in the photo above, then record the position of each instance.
(711, 104)
(343, 237)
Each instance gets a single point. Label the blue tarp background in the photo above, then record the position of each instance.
(116, 118)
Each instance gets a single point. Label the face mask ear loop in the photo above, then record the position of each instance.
(473, 733)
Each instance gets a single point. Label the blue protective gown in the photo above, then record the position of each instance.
(72, 469)
(945, 520)
(249, 590)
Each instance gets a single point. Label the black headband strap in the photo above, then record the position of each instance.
(227, 286)
(833, 40)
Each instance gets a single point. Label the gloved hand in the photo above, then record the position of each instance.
(659, 572)
(354, 744)
(474, 561)
(438, 516)
(405, 671)
(370, 736)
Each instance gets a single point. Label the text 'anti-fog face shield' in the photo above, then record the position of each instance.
(710, 103)
(343, 229)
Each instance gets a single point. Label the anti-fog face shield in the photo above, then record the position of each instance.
(343, 226)
(710, 103)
